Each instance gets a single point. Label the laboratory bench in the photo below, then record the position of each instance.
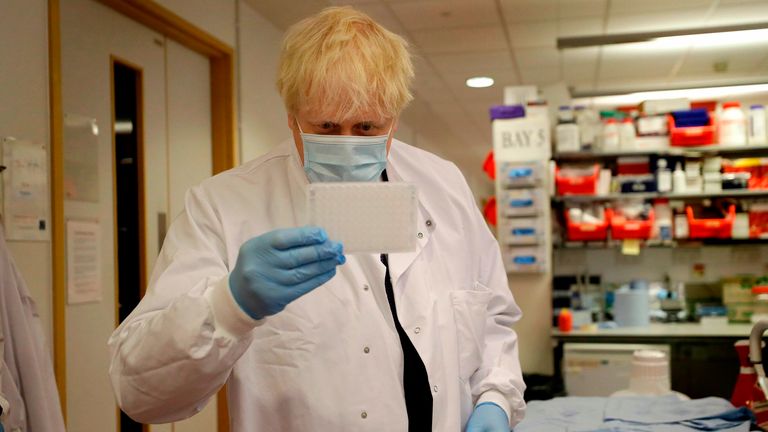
(703, 361)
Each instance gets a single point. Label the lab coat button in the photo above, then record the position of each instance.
(365, 287)
(435, 389)
(417, 330)
(420, 235)
(366, 350)
(429, 222)
(364, 415)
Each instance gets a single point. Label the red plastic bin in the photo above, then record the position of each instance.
(582, 185)
(623, 228)
(580, 231)
(691, 136)
(711, 228)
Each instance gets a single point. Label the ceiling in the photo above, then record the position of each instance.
(514, 42)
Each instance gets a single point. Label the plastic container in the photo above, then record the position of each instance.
(565, 320)
(691, 135)
(760, 303)
(623, 228)
(520, 202)
(662, 229)
(520, 231)
(577, 181)
(516, 174)
(610, 137)
(627, 133)
(583, 231)
(758, 131)
(650, 376)
(633, 165)
(663, 176)
(567, 136)
(732, 125)
(710, 228)
(678, 180)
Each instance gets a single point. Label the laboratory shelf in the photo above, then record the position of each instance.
(733, 193)
(656, 244)
(671, 151)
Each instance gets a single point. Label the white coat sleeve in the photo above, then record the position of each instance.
(499, 378)
(178, 347)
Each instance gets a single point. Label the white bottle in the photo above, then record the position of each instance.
(663, 220)
(678, 180)
(733, 125)
(757, 125)
(663, 176)
(610, 137)
(567, 132)
(627, 134)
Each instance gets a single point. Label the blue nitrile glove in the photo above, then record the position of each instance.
(280, 266)
(488, 417)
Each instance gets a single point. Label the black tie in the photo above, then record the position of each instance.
(418, 397)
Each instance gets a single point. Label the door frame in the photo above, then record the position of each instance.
(223, 143)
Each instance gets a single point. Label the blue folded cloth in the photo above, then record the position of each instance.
(634, 414)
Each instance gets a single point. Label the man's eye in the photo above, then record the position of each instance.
(327, 125)
(366, 127)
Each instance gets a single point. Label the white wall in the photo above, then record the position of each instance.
(24, 115)
(216, 17)
(263, 121)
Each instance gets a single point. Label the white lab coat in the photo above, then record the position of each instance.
(28, 391)
(306, 368)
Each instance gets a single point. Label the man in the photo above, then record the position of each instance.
(306, 337)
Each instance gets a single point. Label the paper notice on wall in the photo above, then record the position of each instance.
(25, 191)
(81, 158)
(83, 262)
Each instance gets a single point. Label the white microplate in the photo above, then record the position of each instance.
(366, 217)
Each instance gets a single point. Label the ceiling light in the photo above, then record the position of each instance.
(693, 94)
(743, 33)
(479, 82)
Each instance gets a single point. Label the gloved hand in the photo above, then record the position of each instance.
(278, 267)
(488, 417)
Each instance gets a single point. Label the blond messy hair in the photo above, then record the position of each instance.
(341, 63)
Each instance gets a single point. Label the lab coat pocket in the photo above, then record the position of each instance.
(470, 314)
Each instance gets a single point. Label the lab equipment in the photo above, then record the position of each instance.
(487, 416)
(757, 125)
(366, 217)
(759, 402)
(631, 307)
(567, 136)
(746, 381)
(650, 375)
(278, 267)
(610, 138)
(663, 176)
(627, 133)
(678, 180)
(733, 126)
(565, 320)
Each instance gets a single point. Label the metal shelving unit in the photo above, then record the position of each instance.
(735, 193)
(671, 151)
(616, 244)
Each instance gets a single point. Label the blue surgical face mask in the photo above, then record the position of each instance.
(344, 158)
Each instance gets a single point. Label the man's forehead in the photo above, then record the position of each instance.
(335, 117)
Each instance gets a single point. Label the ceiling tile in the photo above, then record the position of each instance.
(739, 13)
(580, 27)
(471, 63)
(580, 64)
(582, 8)
(638, 60)
(541, 76)
(432, 14)
(383, 15)
(489, 38)
(542, 34)
(517, 11)
(739, 59)
(658, 21)
(622, 7)
(537, 57)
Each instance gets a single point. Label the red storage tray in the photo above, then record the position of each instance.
(691, 136)
(711, 228)
(584, 185)
(576, 231)
(623, 228)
